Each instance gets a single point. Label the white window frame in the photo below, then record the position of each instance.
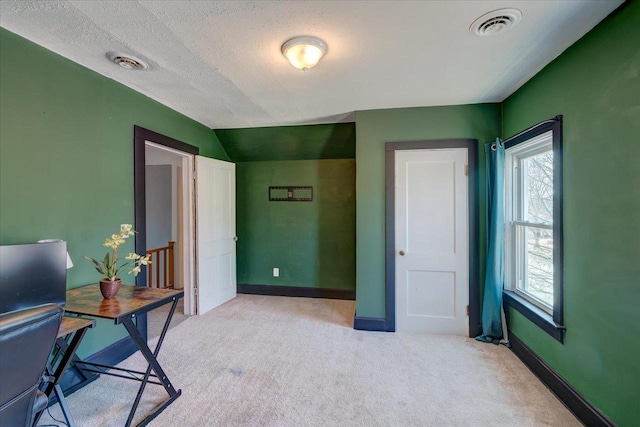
(514, 185)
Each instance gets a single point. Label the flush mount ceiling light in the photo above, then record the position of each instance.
(304, 52)
(126, 61)
(495, 22)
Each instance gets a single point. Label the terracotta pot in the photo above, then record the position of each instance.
(109, 288)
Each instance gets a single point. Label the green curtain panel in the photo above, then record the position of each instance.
(492, 312)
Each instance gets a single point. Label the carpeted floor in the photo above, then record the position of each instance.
(157, 317)
(276, 361)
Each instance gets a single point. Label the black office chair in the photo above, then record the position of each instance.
(26, 340)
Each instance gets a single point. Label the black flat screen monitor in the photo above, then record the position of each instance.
(32, 274)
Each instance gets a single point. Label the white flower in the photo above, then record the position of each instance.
(126, 230)
(113, 242)
(109, 267)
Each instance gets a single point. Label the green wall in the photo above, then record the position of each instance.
(595, 85)
(66, 156)
(313, 243)
(375, 128)
(309, 142)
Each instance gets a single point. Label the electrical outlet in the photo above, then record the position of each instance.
(276, 272)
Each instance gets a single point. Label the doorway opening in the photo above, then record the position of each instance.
(164, 204)
(168, 225)
(205, 219)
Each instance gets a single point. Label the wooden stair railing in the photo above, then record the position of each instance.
(162, 260)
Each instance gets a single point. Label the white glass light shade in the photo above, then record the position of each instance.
(304, 52)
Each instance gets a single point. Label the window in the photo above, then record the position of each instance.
(533, 221)
(530, 220)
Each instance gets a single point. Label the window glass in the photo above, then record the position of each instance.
(536, 278)
(538, 200)
(530, 214)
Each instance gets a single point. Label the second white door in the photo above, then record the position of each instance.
(215, 233)
(431, 229)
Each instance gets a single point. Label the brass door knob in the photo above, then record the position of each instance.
(401, 253)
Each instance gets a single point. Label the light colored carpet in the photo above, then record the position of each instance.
(157, 317)
(277, 361)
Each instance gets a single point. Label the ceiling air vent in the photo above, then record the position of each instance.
(495, 22)
(128, 62)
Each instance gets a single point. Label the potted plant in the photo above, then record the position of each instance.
(109, 268)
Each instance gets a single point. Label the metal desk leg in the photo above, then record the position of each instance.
(63, 406)
(69, 352)
(153, 365)
(64, 347)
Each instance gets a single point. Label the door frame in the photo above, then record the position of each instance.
(140, 138)
(473, 215)
(185, 250)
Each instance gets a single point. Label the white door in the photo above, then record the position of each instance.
(431, 229)
(215, 233)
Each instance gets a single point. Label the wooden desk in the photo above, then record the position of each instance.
(70, 325)
(70, 334)
(130, 302)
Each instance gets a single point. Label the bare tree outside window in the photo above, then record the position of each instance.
(538, 209)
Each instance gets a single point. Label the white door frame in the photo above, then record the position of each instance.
(186, 228)
(390, 251)
(140, 139)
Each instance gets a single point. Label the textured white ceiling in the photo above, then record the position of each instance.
(220, 62)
